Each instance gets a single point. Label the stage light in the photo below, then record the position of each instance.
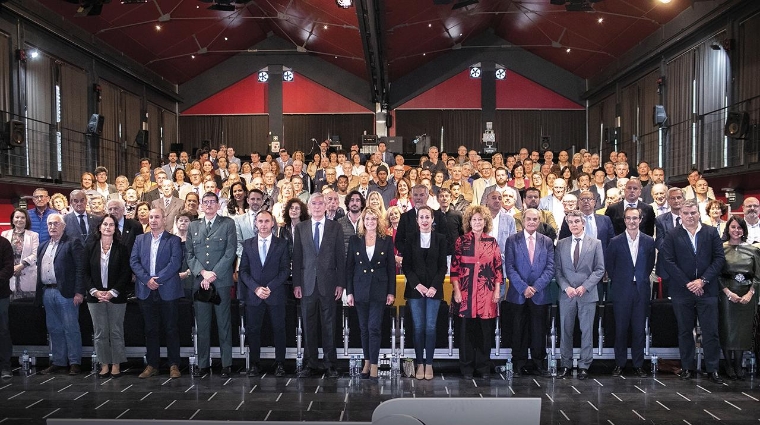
(344, 4)
(287, 76)
(600, 20)
(568, 50)
(34, 54)
(664, 1)
(158, 27)
(263, 76)
(474, 72)
(501, 74)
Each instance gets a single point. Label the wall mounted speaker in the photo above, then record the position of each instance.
(546, 143)
(389, 120)
(659, 116)
(15, 134)
(142, 138)
(95, 126)
(737, 125)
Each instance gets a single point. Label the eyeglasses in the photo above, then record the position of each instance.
(55, 224)
(632, 218)
(209, 202)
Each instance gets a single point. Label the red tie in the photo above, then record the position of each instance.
(531, 248)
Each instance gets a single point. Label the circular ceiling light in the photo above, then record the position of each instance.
(474, 72)
(344, 4)
(501, 74)
(287, 76)
(263, 76)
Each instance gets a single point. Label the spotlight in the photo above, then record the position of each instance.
(158, 27)
(263, 76)
(567, 50)
(287, 76)
(501, 74)
(344, 4)
(600, 20)
(474, 72)
(34, 54)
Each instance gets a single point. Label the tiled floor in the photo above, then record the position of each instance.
(601, 399)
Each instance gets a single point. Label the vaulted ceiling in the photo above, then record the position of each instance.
(181, 39)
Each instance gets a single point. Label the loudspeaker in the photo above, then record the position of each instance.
(658, 115)
(546, 143)
(176, 147)
(737, 125)
(389, 120)
(95, 126)
(606, 135)
(15, 134)
(142, 138)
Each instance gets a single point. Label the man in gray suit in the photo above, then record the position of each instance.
(579, 265)
(168, 203)
(211, 244)
(319, 263)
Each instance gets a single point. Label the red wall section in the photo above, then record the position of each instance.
(458, 92)
(304, 96)
(246, 97)
(518, 92)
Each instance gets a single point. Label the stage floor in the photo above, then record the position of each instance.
(600, 399)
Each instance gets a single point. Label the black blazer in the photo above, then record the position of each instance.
(428, 271)
(683, 265)
(370, 280)
(616, 213)
(68, 267)
(119, 276)
(408, 228)
(132, 228)
(272, 274)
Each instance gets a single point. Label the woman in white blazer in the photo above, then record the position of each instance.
(24, 243)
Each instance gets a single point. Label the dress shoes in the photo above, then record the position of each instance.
(467, 377)
(543, 372)
(715, 377)
(148, 372)
(225, 372)
(306, 372)
(731, 373)
(685, 375)
(253, 371)
(75, 369)
(582, 374)
(174, 372)
(640, 372)
(200, 371)
(617, 371)
(279, 370)
(332, 372)
(51, 370)
(563, 372)
(103, 375)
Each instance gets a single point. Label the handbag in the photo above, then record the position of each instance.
(208, 295)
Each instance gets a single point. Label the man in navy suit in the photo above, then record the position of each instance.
(79, 224)
(631, 200)
(664, 224)
(630, 259)
(595, 225)
(264, 268)
(530, 267)
(693, 257)
(156, 259)
(128, 228)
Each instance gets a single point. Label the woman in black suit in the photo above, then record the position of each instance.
(371, 270)
(106, 282)
(425, 268)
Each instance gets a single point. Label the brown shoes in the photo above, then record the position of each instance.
(75, 369)
(51, 370)
(148, 372)
(428, 372)
(174, 372)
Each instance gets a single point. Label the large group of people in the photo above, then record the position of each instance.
(506, 230)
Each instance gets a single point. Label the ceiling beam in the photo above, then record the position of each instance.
(370, 15)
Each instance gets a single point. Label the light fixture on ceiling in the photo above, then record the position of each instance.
(133, 1)
(192, 56)
(600, 20)
(568, 50)
(158, 27)
(288, 76)
(430, 25)
(324, 26)
(664, 1)
(344, 4)
(575, 5)
(34, 54)
(475, 72)
(225, 39)
(501, 74)
(222, 5)
(263, 76)
(464, 4)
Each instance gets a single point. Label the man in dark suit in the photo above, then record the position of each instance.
(319, 263)
(595, 225)
(630, 259)
(128, 228)
(386, 156)
(79, 223)
(664, 224)
(584, 185)
(156, 192)
(264, 268)
(621, 172)
(170, 204)
(407, 225)
(529, 257)
(60, 289)
(579, 263)
(453, 218)
(212, 260)
(156, 259)
(693, 257)
(631, 200)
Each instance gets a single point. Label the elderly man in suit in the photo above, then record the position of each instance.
(211, 244)
(264, 268)
(579, 262)
(631, 200)
(60, 289)
(664, 224)
(693, 257)
(156, 259)
(128, 228)
(630, 260)
(595, 225)
(170, 204)
(79, 223)
(319, 264)
(553, 201)
(529, 257)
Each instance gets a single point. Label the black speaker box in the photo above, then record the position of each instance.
(658, 115)
(737, 125)
(176, 147)
(15, 133)
(142, 138)
(95, 126)
(389, 120)
(546, 143)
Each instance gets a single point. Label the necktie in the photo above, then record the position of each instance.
(208, 227)
(82, 224)
(678, 221)
(166, 202)
(316, 237)
(263, 251)
(577, 252)
(531, 248)
(631, 205)
(589, 223)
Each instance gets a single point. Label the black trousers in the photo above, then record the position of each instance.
(529, 331)
(475, 345)
(254, 319)
(318, 312)
(686, 311)
(158, 313)
(370, 317)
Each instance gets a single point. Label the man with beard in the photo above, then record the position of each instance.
(386, 190)
(502, 177)
(751, 208)
(355, 204)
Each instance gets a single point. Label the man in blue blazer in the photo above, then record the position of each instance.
(156, 259)
(664, 224)
(264, 268)
(80, 224)
(693, 258)
(595, 225)
(629, 272)
(530, 267)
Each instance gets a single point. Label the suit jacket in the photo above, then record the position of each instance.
(604, 230)
(466, 189)
(28, 277)
(213, 251)
(168, 263)
(491, 188)
(130, 230)
(683, 265)
(428, 269)
(68, 267)
(616, 213)
(169, 172)
(175, 207)
(522, 273)
(244, 230)
(408, 228)
(577, 194)
(622, 271)
(272, 273)
(118, 278)
(370, 279)
(547, 202)
(587, 273)
(454, 225)
(73, 230)
(323, 271)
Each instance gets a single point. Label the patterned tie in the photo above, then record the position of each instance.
(82, 225)
(316, 237)
(577, 252)
(531, 248)
(166, 202)
(263, 251)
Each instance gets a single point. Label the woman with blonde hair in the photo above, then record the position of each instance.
(537, 181)
(286, 193)
(375, 200)
(393, 218)
(59, 203)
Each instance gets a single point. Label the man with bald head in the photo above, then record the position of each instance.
(79, 223)
(659, 199)
(168, 203)
(631, 200)
(553, 201)
(751, 208)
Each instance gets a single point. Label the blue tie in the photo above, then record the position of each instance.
(316, 237)
(263, 251)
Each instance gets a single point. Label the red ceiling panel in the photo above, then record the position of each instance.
(458, 92)
(246, 97)
(518, 92)
(303, 96)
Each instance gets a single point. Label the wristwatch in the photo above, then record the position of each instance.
(704, 281)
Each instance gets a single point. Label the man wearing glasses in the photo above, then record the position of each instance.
(751, 208)
(196, 184)
(211, 246)
(39, 215)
